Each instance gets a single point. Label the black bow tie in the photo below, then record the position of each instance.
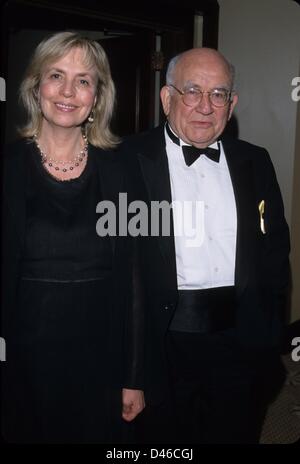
(191, 153)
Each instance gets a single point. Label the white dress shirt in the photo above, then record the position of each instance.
(205, 222)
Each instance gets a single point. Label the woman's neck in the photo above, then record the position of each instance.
(61, 143)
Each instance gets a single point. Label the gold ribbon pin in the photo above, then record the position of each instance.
(261, 208)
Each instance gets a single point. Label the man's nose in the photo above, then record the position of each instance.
(204, 106)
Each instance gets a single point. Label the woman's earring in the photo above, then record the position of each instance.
(91, 117)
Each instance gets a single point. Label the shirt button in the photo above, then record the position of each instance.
(202, 175)
(216, 269)
(206, 206)
(210, 238)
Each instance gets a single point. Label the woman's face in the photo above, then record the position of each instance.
(68, 90)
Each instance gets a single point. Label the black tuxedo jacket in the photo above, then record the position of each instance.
(126, 320)
(261, 268)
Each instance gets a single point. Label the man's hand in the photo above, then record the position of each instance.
(133, 403)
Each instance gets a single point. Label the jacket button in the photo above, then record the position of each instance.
(168, 306)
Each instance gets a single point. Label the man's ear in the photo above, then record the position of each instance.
(232, 105)
(165, 97)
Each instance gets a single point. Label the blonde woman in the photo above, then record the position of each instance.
(67, 308)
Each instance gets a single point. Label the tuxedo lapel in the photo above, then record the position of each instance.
(154, 166)
(241, 172)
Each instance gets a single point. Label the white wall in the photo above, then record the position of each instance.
(262, 39)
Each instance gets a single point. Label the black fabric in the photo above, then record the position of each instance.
(205, 311)
(212, 388)
(67, 304)
(61, 241)
(172, 136)
(212, 397)
(58, 387)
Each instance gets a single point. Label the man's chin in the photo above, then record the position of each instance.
(201, 142)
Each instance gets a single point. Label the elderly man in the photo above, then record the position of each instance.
(214, 304)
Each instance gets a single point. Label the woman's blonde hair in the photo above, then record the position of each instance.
(53, 48)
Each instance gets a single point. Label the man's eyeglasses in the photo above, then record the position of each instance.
(193, 96)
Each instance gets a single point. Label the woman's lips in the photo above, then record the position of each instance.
(64, 107)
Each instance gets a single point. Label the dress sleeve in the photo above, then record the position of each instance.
(135, 325)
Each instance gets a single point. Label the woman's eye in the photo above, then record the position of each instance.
(84, 82)
(55, 76)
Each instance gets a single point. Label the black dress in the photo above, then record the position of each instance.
(59, 387)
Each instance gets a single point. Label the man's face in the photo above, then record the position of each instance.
(203, 123)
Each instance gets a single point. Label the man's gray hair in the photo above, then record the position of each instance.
(174, 61)
(171, 67)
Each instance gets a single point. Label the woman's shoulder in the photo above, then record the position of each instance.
(14, 164)
(15, 151)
